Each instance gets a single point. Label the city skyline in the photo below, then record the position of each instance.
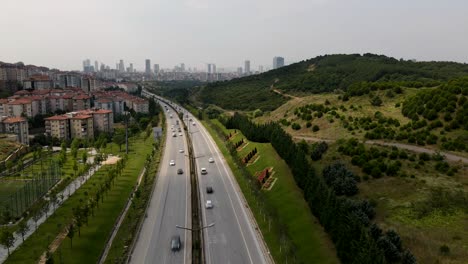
(295, 30)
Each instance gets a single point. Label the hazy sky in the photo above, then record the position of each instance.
(62, 33)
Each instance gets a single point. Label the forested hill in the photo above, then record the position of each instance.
(325, 74)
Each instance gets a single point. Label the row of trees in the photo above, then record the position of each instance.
(85, 209)
(249, 156)
(239, 143)
(347, 223)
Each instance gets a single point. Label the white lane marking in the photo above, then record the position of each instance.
(229, 196)
(234, 184)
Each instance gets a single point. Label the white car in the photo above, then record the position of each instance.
(181, 150)
(172, 163)
(174, 135)
(180, 134)
(209, 204)
(203, 171)
(193, 123)
(211, 160)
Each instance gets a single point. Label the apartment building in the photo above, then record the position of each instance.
(58, 126)
(81, 126)
(81, 102)
(19, 107)
(140, 105)
(38, 82)
(17, 126)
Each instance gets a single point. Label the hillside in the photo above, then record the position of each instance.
(326, 74)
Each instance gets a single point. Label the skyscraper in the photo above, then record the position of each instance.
(182, 67)
(96, 66)
(86, 65)
(209, 67)
(121, 66)
(247, 67)
(148, 66)
(156, 68)
(214, 68)
(131, 67)
(278, 62)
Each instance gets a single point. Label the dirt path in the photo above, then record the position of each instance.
(448, 156)
(285, 94)
(54, 245)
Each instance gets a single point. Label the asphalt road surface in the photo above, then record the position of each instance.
(169, 206)
(232, 239)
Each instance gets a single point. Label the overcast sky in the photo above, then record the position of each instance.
(62, 33)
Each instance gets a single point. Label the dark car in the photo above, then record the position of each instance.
(180, 171)
(209, 189)
(175, 243)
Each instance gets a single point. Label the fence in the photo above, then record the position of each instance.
(18, 202)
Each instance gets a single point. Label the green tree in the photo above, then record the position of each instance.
(71, 234)
(23, 228)
(7, 239)
(119, 139)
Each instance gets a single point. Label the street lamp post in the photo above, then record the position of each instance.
(190, 229)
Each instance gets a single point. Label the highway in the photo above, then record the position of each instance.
(169, 206)
(232, 239)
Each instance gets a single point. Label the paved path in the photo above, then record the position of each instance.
(419, 149)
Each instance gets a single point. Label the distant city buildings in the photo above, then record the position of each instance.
(121, 66)
(278, 62)
(156, 68)
(247, 67)
(148, 67)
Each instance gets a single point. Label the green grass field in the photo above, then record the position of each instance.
(312, 243)
(88, 246)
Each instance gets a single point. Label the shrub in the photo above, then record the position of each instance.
(318, 149)
(315, 128)
(444, 250)
(296, 126)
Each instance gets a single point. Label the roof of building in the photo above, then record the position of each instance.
(23, 92)
(56, 117)
(102, 111)
(81, 117)
(12, 120)
(20, 101)
(81, 97)
(3, 101)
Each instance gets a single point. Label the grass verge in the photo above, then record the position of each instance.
(308, 238)
(88, 246)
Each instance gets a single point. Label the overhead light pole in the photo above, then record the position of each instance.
(198, 229)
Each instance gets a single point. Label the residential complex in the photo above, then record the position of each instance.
(17, 126)
(80, 124)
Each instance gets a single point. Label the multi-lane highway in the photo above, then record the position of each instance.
(233, 238)
(169, 205)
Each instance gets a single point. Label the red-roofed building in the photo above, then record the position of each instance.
(58, 126)
(19, 107)
(81, 126)
(38, 82)
(17, 126)
(81, 102)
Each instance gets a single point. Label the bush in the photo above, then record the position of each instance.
(315, 128)
(308, 124)
(444, 250)
(318, 149)
(424, 156)
(296, 126)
